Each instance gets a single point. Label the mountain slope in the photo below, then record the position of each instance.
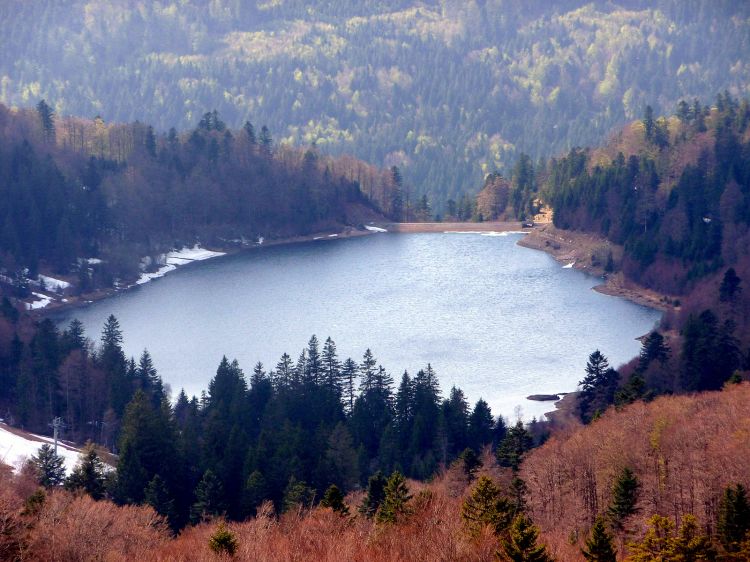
(447, 90)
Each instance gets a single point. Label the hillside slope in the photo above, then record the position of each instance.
(447, 90)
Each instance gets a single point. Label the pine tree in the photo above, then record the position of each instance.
(49, 467)
(516, 444)
(730, 286)
(255, 492)
(486, 506)
(375, 494)
(158, 497)
(223, 541)
(734, 518)
(600, 545)
(209, 498)
(470, 462)
(348, 374)
(47, 121)
(331, 367)
(88, 474)
(625, 493)
(334, 499)
(480, 426)
(297, 495)
(521, 545)
(394, 506)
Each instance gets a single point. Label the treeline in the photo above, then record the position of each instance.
(284, 434)
(675, 193)
(72, 190)
(369, 78)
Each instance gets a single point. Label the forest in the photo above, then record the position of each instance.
(447, 91)
(89, 200)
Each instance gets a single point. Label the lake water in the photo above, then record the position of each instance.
(496, 319)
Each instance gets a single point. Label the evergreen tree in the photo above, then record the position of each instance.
(49, 467)
(625, 492)
(600, 545)
(516, 444)
(486, 506)
(209, 498)
(374, 496)
(730, 286)
(47, 121)
(394, 506)
(158, 497)
(470, 462)
(334, 499)
(734, 518)
(348, 374)
(256, 491)
(88, 474)
(654, 349)
(331, 367)
(223, 541)
(521, 544)
(480, 426)
(297, 495)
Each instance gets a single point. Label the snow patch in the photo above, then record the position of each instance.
(94, 261)
(41, 302)
(16, 449)
(569, 266)
(52, 283)
(503, 233)
(375, 228)
(332, 235)
(176, 258)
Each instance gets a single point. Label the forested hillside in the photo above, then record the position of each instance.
(446, 90)
(89, 200)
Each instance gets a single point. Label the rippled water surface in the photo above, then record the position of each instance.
(498, 320)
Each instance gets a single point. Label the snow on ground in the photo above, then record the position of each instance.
(332, 235)
(53, 284)
(16, 449)
(177, 258)
(375, 228)
(569, 266)
(94, 261)
(41, 302)
(504, 233)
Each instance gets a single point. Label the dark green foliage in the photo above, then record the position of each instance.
(375, 494)
(598, 387)
(600, 545)
(395, 503)
(734, 518)
(209, 498)
(88, 474)
(298, 495)
(487, 506)
(521, 544)
(625, 493)
(470, 462)
(256, 491)
(223, 541)
(730, 286)
(157, 496)
(48, 466)
(710, 353)
(334, 499)
(514, 446)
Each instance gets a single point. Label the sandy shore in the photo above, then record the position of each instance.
(575, 249)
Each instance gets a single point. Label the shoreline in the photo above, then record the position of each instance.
(576, 249)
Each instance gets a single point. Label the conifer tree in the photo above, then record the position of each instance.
(470, 462)
(298, 495)
(625, 493)
(734, 518)
(516, 444)
(348, 373)
(486, 506)
(88, 474)
(209, 498)
(600, 545)
(394, 506)
(375, 494)
(157, 496)
(223, 541)
(480, 426)
(521, 544)
(49, 467)
(256, 490)
(334, 499)
(331, 366)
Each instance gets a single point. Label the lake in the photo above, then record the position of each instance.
(498, 320)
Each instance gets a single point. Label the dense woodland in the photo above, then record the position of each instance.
(90, 200)
(448, 91)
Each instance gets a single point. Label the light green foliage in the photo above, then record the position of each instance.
(456, 90)
(486, 506)
(600, 545)
(223, 541)
(394, 506)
